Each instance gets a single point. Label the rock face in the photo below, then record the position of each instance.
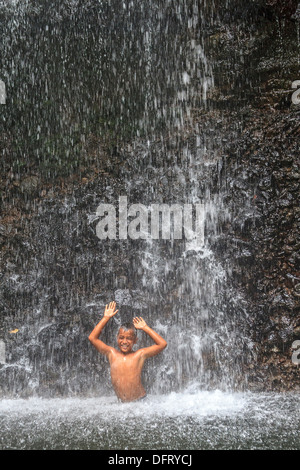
(238, 151)
(263, 241)
(261, 174)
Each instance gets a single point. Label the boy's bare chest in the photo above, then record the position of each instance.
(122, 363)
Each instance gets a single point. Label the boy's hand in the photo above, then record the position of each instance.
(139, 323)
(110, 310)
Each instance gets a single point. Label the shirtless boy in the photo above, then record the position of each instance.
(126, 365)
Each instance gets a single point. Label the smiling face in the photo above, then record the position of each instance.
(126, 340)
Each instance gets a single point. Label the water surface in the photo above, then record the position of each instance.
(190, 420)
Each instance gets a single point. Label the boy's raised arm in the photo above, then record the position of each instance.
(109, 312)
(161, 343)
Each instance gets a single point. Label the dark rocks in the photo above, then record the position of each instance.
(273, 243)
(30, 185)
(241, 149)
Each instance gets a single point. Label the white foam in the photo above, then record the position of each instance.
(173, 405)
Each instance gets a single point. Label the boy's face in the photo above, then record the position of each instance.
(126, 339)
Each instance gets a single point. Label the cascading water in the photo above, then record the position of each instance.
(117, 93)
(182, 284)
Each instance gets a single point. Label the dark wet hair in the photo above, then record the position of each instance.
(128, 326)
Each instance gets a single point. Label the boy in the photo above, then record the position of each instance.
(126, 365)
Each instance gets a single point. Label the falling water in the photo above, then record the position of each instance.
(120, 88)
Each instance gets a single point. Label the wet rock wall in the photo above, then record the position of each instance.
(49, 255)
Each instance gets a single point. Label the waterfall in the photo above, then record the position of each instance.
(134, 76)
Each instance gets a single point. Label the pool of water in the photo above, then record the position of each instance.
(190, 420)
